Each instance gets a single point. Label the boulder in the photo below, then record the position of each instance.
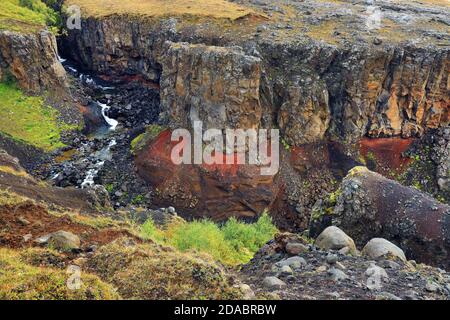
(61, 240)
(378, 247)
(273, 283)
(333, 238)
(369, 206)
(294, 248)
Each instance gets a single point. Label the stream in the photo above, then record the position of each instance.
(103, 134)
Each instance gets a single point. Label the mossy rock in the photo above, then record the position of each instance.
(20, 280)
(150, 271)
(151, 132)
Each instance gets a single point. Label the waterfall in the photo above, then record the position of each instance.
(111, 122)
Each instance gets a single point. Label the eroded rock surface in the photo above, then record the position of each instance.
(369, 205)
(32, 61)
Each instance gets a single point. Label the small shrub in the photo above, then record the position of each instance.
(233, 243)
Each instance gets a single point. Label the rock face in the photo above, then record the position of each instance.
(31, 60)
(369, 205)
(214, 191)
(310, 89)
(316, 77)
(218, 86)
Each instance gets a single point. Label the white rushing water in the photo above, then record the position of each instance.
(91, 174)
(111, 122)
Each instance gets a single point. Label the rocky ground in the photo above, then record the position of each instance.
(291, 268)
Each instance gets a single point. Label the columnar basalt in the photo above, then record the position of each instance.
(216, 85)
(31, 60)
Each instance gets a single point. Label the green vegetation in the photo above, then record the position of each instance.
(152, 272)
(139, 199)
(233, 243)
(20, 280)
(27, 16)
(151, 132)
(218, 9)
(286, 145)
(28, 119)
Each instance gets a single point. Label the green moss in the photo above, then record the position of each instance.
(22, 281)
(26, 16)
(150, 271)
(139, 199)
(29, 119)
(233, 243)
(151, 132)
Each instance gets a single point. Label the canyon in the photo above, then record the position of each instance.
(363, 113)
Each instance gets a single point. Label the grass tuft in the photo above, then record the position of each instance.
(232, 244)
(28, 119)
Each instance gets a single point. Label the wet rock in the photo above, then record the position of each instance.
(273, 283)
(378, 247)
(333, 238)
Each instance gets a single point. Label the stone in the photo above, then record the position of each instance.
(378, 247)
(23, 221)
(375, 277)
(432, 286)
(286, 271)
(386, 296)
(411, 295)
(247, 291)
(333, 238)
(273, 283)
(293, 262)
(371, 206)
(295, 249)
(337, 275)
(61, 240)
(332, 258)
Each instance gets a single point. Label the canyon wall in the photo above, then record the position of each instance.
(322, 96)
(309, 89)
(31, 60)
